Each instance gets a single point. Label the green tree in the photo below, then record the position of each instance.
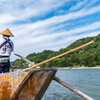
(88, 59)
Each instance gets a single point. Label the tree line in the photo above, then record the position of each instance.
(87, 56)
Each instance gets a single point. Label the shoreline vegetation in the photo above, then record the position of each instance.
(87, 56)
(97, 67)
(76, 67)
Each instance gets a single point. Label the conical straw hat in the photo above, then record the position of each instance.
(7, 32)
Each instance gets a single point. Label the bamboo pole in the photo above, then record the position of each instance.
(86, 97)
(59, 56)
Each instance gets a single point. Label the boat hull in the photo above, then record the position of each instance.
(32, 86)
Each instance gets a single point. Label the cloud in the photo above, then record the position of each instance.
(22, 10)
(31, 9)
(28, 40)
(40, 27)
(36, 25)
(6, 18)
(79, 5)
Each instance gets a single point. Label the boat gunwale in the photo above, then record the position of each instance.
(31, 72)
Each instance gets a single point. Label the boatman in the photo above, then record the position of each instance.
(6, 47)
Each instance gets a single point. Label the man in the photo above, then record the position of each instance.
(6, 47)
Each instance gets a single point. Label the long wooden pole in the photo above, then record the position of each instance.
(78, 92)
(86, 97)
(59, 55)
(31, 63)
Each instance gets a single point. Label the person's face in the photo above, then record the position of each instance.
(5, 36)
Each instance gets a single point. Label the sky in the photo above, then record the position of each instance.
(39, 25)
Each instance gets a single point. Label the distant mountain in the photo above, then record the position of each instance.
(87, 56)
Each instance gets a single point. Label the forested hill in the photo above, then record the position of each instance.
(87, 56)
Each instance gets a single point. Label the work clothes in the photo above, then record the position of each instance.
(6, 47)
(4, 67)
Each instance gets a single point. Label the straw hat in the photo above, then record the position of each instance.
(7, 32)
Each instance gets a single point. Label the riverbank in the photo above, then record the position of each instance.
(79, 67)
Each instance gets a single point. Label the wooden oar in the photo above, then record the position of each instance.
(31, 63)
(86, 97)
(78, 92)
(59, 55)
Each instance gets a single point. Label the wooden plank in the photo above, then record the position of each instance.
(34, 85)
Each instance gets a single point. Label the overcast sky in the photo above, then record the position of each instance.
(48, 24)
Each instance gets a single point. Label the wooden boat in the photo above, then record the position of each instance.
(28, 86)
(31, 85)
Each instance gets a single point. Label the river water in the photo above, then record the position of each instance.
(85, 80)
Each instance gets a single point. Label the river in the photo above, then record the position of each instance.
(85, 80)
